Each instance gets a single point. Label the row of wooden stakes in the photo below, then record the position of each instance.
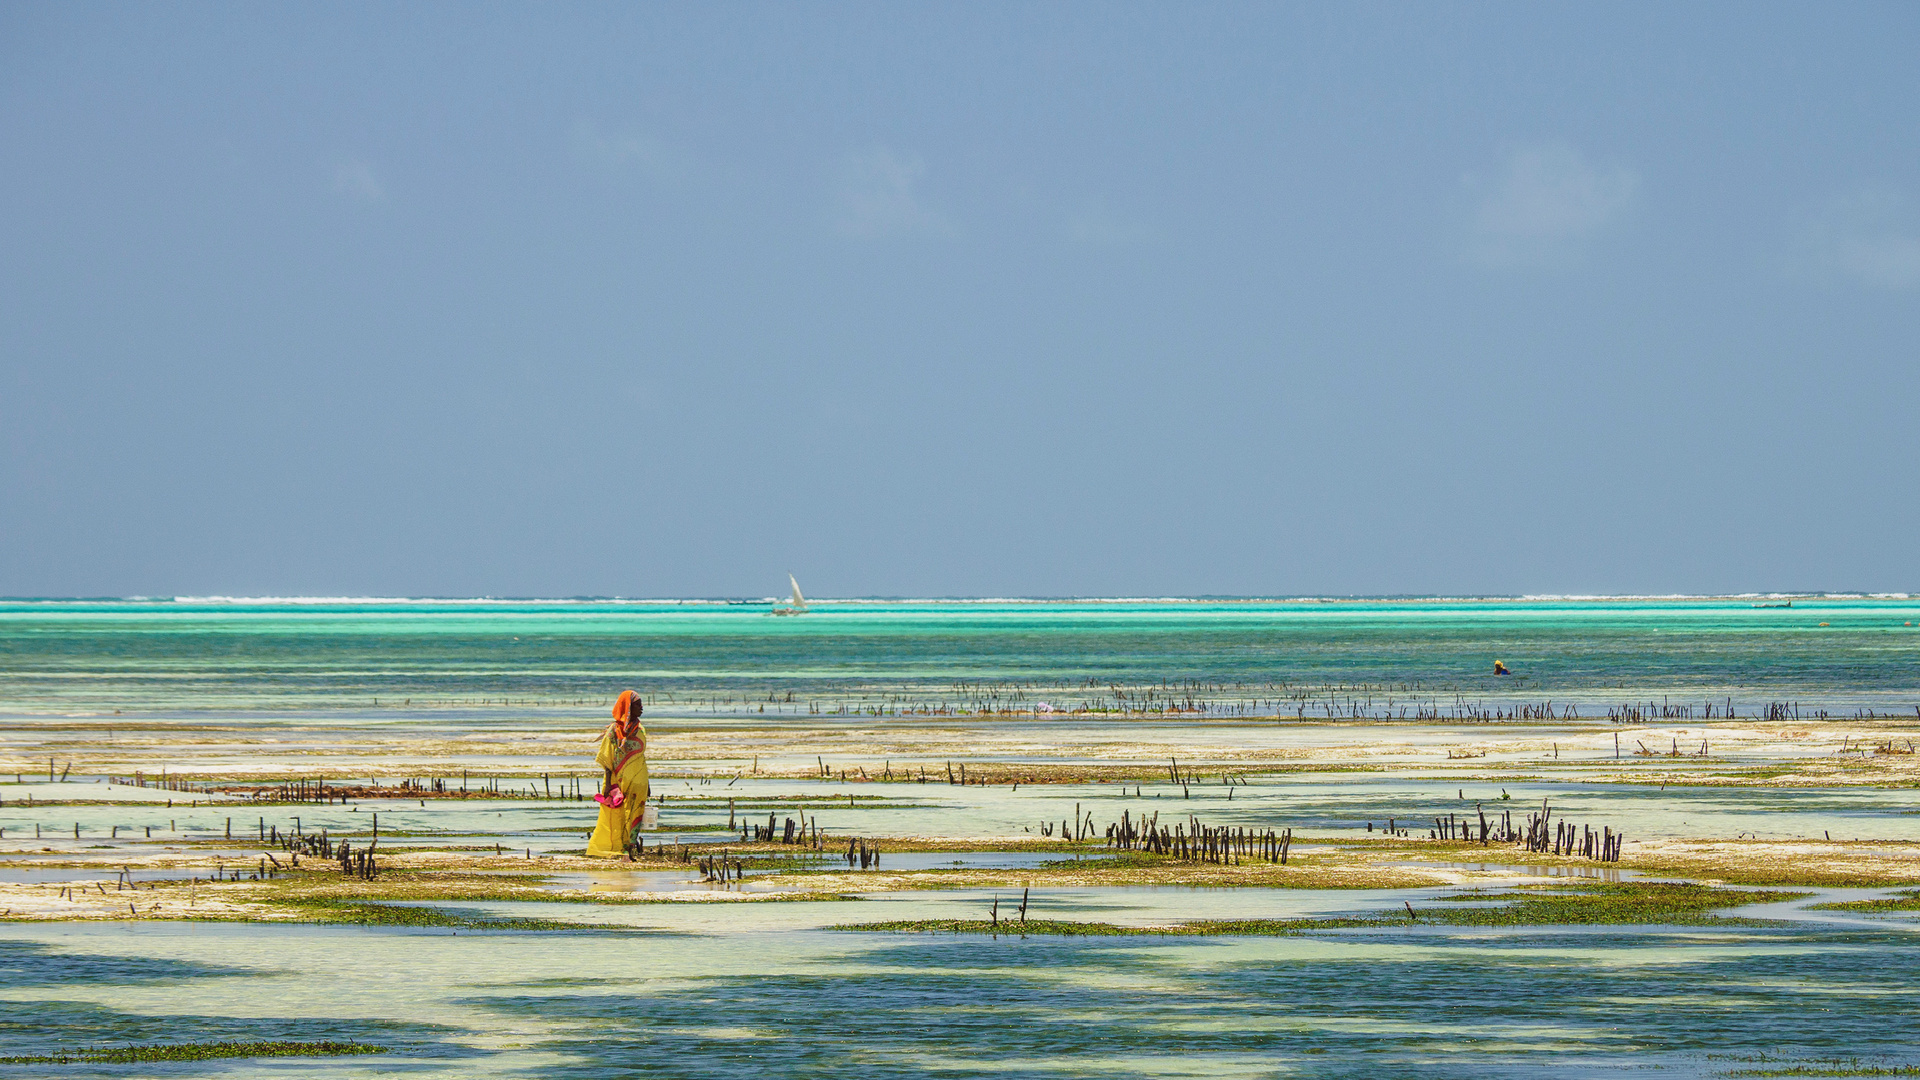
(319, 791)
(1542, 834)
(1191, 841)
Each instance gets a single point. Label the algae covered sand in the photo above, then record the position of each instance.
(130, 1055)
(1585, 904)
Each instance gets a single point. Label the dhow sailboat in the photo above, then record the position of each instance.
(795, 606)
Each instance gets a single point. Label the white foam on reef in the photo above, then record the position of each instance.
(423, 600)
(1022, 600)
(1627, 597)
(954, 601)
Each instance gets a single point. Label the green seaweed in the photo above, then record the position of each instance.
(1067, 928)
(207, 1051)
(1635, 903)
(1849, 1068)
(376, 914)
(1638, 902)
(1906, 901)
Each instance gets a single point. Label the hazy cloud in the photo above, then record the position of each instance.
(356, 178)
(877, 195)
(1867, 237)
(1543, 203)
(638, 151)
(1095, 224)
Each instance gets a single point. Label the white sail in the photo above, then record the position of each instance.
(796, 606)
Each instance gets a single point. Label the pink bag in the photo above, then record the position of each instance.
(612, 798)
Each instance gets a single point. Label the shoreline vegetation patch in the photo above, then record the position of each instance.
(1636, 903)
(1908, 900)
(1851, 1067)
(362, 913)
(207, 1051)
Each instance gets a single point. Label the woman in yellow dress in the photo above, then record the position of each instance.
(623, 786)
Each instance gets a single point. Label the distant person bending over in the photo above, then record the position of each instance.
(1500, 668)
(623, 785)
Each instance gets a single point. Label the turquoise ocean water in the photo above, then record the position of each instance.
(1382, 657)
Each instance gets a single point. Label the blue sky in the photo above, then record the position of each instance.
(970, 299)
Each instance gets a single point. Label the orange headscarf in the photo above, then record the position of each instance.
(626, 712)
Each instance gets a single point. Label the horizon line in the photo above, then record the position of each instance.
(1200, 598)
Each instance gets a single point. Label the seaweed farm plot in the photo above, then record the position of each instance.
(711, 991)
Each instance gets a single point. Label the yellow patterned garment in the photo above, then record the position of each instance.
(623, 751)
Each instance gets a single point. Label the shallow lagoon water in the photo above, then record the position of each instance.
(739, 990)
(35, 877)
(745, 989)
